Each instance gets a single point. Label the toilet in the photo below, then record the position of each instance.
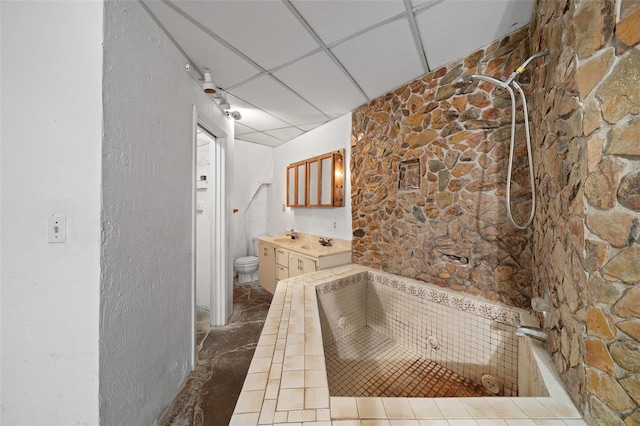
(247, 266)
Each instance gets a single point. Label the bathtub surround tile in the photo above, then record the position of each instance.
(246, 419)
(280, 417)
(323, 414)
(316, 398)
(293, 363)
(315, 379)
(533, 408)
(267, 412)
(255, 381)
(371, 408)
(462, 422)
(290, 399)
(561, 408)
(402, 422)
(346, 410)
(301, 416)
(491, 422)
(398, 408)
(425, 408)
(376, 422)
(478, 408)
(506, 408)
(520, 422)
(343, 408)
(273, 387)
(250, 402)
(292, 379)
(451, 408)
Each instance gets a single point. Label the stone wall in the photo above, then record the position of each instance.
(428, 168)
(586, 252)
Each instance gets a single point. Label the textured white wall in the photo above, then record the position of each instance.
(146, 324)
(332, 136)
(51, 136)
(253, 165)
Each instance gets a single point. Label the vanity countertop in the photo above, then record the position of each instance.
(308, 245)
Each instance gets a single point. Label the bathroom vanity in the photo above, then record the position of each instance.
(283, 257)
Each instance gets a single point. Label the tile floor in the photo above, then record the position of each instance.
(222, 361)
(368, 363)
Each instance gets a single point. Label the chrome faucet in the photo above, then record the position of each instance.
(533, 332)
(325, 242)
(293, 234)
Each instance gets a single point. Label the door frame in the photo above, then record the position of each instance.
(221, 286)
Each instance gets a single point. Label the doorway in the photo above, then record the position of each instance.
(212, 284)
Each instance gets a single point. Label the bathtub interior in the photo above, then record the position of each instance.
(468, 336)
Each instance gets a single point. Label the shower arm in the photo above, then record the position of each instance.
(518, 71)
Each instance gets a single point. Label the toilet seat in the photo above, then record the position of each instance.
(246, 261)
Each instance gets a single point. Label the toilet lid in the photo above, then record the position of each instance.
(246, 260)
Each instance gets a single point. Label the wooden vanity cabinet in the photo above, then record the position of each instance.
(299, 265)
(267, 268)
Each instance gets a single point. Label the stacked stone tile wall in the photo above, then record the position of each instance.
(428, 167)
(586, 251)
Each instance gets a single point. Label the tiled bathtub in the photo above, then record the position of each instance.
(287, 382)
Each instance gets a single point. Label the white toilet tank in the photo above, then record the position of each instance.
(247, 266)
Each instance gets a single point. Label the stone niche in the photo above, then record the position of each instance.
(428, 179)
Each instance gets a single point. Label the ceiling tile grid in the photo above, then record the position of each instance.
(289, 66)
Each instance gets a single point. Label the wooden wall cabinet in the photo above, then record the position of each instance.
(322, 185)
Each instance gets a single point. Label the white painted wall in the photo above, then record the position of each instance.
(51, 133)
(332, 136)
(253, 165)
(146, 326)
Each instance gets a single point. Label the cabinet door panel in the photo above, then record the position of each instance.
(301, 173)
(267, 267)
(291, 186)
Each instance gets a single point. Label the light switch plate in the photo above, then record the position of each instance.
(57, 226)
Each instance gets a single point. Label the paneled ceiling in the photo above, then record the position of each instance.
(289, 66)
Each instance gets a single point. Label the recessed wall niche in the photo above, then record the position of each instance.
(409, 175)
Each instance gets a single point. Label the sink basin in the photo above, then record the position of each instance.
(308, 247)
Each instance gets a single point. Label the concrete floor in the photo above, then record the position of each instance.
(222, 361)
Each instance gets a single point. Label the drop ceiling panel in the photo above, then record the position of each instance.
(265, 92)
(253, 117)
(311, 126)
(381, 59)
(492, 20)
(261, 138)
(335, 20)
(318, 79)
(241, 129)
(227, 67)
(285, 134)
(265, 31)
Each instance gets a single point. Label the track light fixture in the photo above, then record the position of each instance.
(234, 114)
(208, 85)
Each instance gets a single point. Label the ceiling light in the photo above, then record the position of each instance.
(234, 114)
(208, 85)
